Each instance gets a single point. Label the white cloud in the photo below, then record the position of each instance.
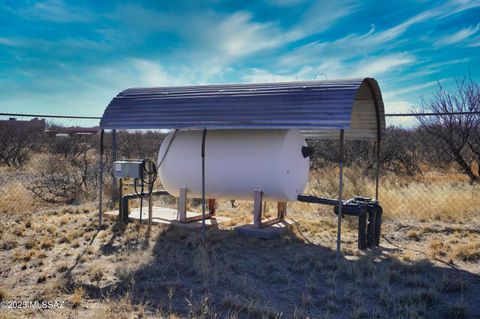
(475, 43)
(9, 42)
(413, 88)
(396, 106)
(87, 90)
(286, 3)
(333, 68)
(255, 75)
(399, 107)
(320, 17)
(379, 65)
(355, 45)
(227, 38)
(55, 11)
(239, 35)
(459, 36)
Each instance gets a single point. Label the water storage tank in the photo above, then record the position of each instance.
(236, 163)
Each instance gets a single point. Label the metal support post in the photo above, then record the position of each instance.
(100, 199)
(340, 193)
(203, 183)
(257, 208)
(182, 205)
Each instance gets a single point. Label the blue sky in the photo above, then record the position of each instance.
(72, 57)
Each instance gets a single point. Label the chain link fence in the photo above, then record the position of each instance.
(429, 169)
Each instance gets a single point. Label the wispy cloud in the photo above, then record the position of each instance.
(55, 11)
(414, 88)
(334, 68)
(214, 41)
(286, 3)
(459, 36)
(380, 65)
(9, 42)
(101, 48)
(373, 39)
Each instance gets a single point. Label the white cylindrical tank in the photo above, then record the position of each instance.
(237, 162)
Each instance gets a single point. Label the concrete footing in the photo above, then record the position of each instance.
(267, 232)
(162, 215)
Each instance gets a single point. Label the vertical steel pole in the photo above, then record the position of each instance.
(114, 195)
(100, 200)
(203, 183)
(377, 167)
(150, 211)
(340, 194)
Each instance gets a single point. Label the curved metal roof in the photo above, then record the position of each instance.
(318, 108)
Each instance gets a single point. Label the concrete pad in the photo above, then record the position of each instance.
(268, 232)
(163, 215)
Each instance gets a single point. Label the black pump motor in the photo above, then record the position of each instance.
(369, 214)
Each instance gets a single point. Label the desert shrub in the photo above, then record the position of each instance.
(398, 153)
(456, 135)
(15, 144)
(59, 181)
(70, 171)
(138, 144)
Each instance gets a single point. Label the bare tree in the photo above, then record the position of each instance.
(70, 171)
(398, 153)
(59, 181)
(139, 144)
(15, 145)
(454, 132)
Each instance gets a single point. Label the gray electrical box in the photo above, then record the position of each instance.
(127, 169)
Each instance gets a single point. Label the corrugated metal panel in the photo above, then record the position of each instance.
(318, 108)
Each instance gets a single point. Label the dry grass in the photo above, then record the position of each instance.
(77, 296)
(3, 294)
(171, 274)
(467, 251)
(96, 272)
(432, 196)
(427, 265)
(16, 198)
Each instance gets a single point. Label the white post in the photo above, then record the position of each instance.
(257, 208)
(182, 205)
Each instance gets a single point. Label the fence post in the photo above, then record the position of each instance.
(340, 194)
(377, 167)
(114, 196)
(100, 200)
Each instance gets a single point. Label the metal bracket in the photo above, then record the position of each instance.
(182, 208)
(258, 211)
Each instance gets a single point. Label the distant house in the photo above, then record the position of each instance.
(61, 131)
(35, 125)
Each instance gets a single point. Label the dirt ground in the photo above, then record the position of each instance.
(422, 269)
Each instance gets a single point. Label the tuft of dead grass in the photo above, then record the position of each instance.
(250, 307)
(413, 235)
(468, 252)
(77, 296)
(96, 272)
(3, 294)
(17, 199)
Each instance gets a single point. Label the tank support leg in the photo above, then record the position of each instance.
(182, 205)
(282, 210)
(182, 208)
(211, 206)
(257, 208)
